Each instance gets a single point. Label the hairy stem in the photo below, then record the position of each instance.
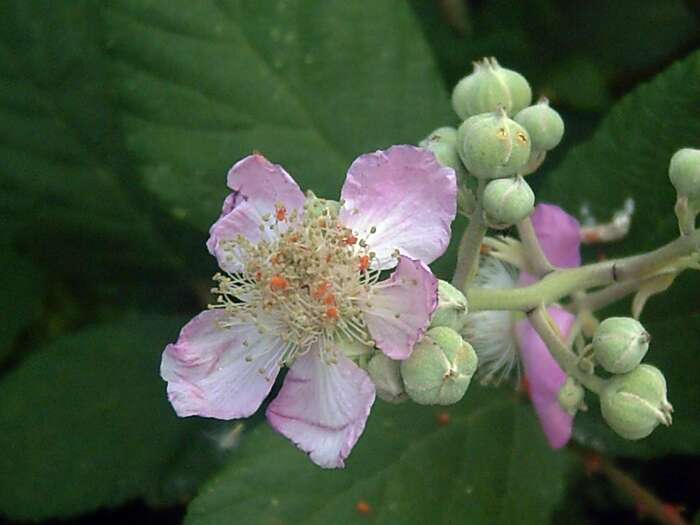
(563, 282)
(537, 260)
(470, 245)
(562, 354)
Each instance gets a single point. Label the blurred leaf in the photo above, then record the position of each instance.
(628, 157)
(66, 190)
(409, 469)
(309, 84)
(21, 294)
(86, 423)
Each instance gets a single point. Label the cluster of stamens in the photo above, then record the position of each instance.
(305, 283)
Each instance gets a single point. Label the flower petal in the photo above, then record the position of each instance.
(399, 309)
(258, 188)
(323, 407)
(545, 378)
(407, 196)
(207, 371)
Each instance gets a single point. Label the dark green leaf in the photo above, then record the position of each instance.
(21, 293)
(476, 469)
(309, 84)
(86, 423)
(65, 186)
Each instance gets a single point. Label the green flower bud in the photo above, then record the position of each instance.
(316, 207)
(507, 201)
(488, 87)
(440, 368)
(443, 144)
(386, 376)
(620, 344)
(451, 310)
(571, 396)
(684, 172)
(492, 145)
(543, 124)
(633, 404)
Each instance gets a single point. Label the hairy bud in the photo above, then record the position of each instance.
(620, 344)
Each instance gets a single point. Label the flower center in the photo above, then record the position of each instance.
(304, 284)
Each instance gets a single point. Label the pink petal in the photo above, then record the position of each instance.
(258, 188)
(407, 196)
(323, 407)
(207, 371)
(546, 378)
(399, 308)
(559, 235)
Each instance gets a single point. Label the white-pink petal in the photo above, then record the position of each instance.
(399, 309)
(322, 407)
(408, 196)
(259, 187)
(208, 373)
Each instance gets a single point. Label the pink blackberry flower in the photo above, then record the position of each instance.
(302, 289)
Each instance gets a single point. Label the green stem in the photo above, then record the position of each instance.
(567, 360)
(563, 282)
(537, 260)
(470, 245)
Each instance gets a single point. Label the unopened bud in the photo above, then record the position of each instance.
(386, 376)
(633, 404)
(620, 344)
(440, 368)
(507, 201)
(488, 87)
(571, 396)
(491, 145)
(684, 172)
(443, 144)
(451, 310)
(543, 124)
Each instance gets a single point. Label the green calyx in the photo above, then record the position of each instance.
(545, 125)
(386, 375)
(684, 172)
(634, 404)
(493, 146)
(507, 201)
(451, 310)
(620, 344)
(440, 368)
(489, 87)
(571, 396)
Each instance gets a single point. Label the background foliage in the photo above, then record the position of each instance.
(118, 121)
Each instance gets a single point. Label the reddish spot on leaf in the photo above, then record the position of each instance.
(363, 507)
(442, 418)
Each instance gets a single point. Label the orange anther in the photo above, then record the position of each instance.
(281, 213)
(363, 507)
(278, 283)
(332, 312)
(350, 240)
(258, 275)
(364, 263)
(321, 290)
(329, 299)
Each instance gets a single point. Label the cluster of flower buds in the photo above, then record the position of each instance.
(502, 139)
(633, 401)
(684, 172)
(442, 364)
